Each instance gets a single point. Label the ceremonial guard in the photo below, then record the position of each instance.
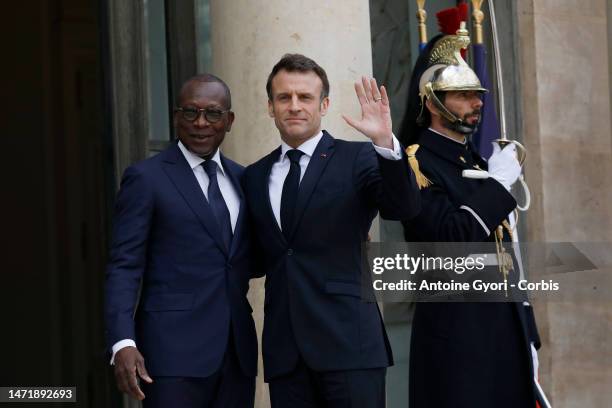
(463, 354)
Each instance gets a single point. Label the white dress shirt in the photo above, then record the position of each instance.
(228, 191)
(280, 169)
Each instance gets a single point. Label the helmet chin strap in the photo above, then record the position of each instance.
(462, 127)
(453, 122)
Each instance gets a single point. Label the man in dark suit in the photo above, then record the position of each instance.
(312, 201)
(468, 354)
(180, 238)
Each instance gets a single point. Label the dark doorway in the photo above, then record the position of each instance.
(58, 170)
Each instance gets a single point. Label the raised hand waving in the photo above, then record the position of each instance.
(375, 122)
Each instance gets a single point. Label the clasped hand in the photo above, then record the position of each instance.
(504, 165)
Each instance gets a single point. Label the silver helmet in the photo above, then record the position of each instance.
(448, 71)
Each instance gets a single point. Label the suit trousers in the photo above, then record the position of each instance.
(229, 387)
(306, 388)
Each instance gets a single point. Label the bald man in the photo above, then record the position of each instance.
(179, 235)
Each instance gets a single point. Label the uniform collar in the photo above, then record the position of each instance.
(448, 137)
(463, 154)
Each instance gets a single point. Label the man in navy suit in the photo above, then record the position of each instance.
(180, 239)
(312, 202)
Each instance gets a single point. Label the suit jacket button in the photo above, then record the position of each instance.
(290, 252)
(228, 266)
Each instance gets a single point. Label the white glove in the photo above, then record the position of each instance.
(504, 166)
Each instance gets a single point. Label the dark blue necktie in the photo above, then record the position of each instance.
(290, 191)
(217, 203)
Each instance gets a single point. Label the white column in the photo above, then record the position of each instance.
(248, 39)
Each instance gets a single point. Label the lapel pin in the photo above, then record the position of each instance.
(324, 155)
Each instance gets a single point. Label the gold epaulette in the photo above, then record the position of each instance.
(421, 180)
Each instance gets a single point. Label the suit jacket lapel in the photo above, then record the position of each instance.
(320, 157)
(181, 175)
(240, 221)
(265, 189)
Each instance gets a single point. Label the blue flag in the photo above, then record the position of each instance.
(489, 125)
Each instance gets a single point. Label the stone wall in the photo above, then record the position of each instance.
(565, 71)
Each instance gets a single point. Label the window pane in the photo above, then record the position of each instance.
(157, 71)
(202, 22)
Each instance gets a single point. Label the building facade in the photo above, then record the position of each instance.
(90, 87)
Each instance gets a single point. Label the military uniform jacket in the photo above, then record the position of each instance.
(466, 354)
